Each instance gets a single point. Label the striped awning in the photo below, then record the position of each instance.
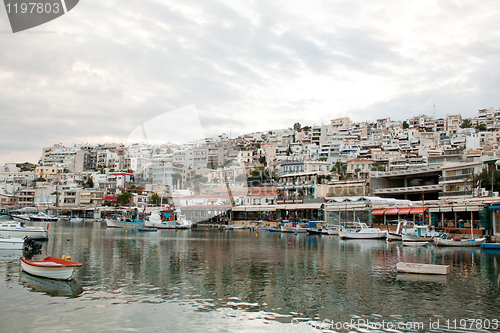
(391, 211)
(420, 210)
(378, 211)
(404, 211)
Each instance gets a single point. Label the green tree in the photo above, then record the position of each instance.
(405, 125)
(481, 127)
(376, 166)
(155, 200)
(466, 123)
(340, 168)
(297, 127)
(124, 198)
(485, 177)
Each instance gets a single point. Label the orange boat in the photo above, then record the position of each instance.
(50, 267)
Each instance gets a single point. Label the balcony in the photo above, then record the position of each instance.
(455, 178)
(455, 193)
(411, 189)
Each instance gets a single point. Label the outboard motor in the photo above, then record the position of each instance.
(30, 247)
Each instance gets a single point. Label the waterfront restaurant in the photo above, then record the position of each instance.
(273, 215)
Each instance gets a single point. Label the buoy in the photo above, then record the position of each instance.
(63, 257)
(126, 231)
(67, 240)
(47, 226)
(68, 258)
(256, 235)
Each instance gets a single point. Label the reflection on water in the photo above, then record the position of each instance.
(268, 277)
(51, 287)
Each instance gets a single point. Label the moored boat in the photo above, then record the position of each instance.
(42, 217)
(8, 243)
(420, 233)
(50, 267)
(459, 242)
(124, 223)
(364, 232)
(18, 229)
(147, 229)
(167, 220)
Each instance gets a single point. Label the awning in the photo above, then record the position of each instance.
(404, 211)
(494, 207)
(238, 209)
(110, 198)
(280, 206)
(310, 206)
(445, 209)
(473, 208)
(391, 211)
(378, 211)
(418, 210)
(459, 209)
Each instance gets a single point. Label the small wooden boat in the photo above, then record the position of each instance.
(147, 229)
(124, 223)
(415, 243)
(50, 267)
(408, 267)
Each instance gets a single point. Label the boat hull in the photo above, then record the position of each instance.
(460, 243)
(166, 225)
(415, 243)
(51, 268)
(110, 223)
(412, 238)
(11, 243)
(491, 246)
(362, 235)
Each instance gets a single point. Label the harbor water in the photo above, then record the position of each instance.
(209, 280)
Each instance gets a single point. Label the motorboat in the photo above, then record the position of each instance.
(18, 229)
(314, 231)
(404, 227)
(364, 232)
(8, 243)
(291, 229)
(147, 229)
(50, 267)
(420, 233)
(331, 230)
(21, 217)
(456, 241)
(42, 217)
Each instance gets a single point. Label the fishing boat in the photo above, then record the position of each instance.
(364, 232)
(456, 241)
(124, 223)
(18, 229)
(50, 267)
(331, 230)
(167, 220)
(271, 229)
(8, 243)
(20, 217)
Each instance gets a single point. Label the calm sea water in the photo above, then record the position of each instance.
(245, 281)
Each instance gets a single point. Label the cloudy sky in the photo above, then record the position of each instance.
(97, 73)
